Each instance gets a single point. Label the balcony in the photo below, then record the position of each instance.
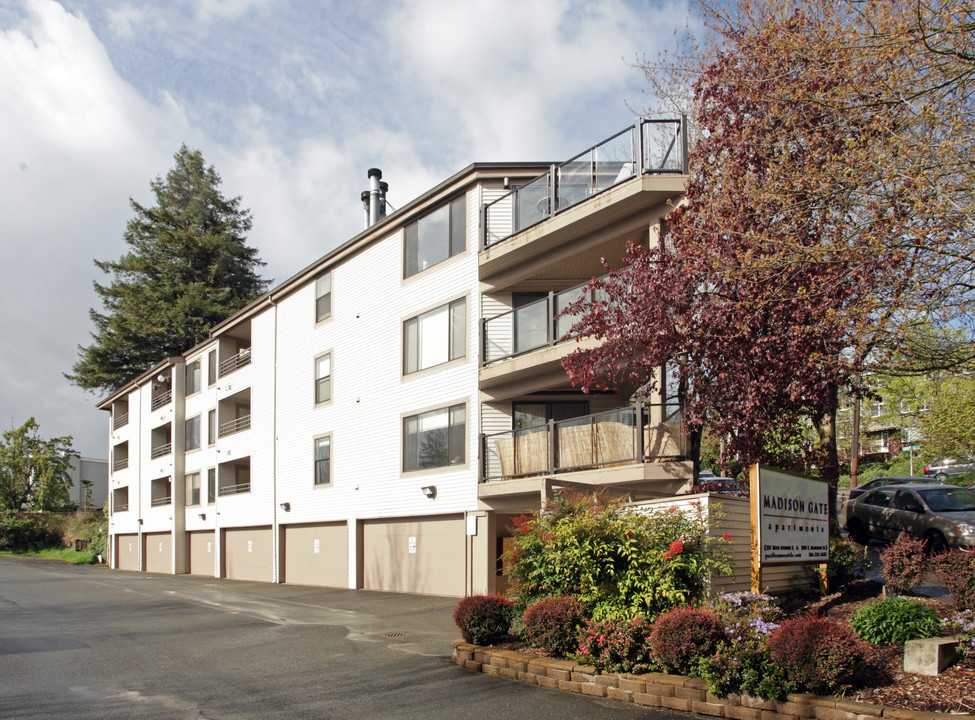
(160, 450)
(529, 327)
(162, 399)
(120, 464)
(158, 502)
(235, 426)
(237, 489)
(626, 436)
(232, 364)
(649, 147)
(120, 420)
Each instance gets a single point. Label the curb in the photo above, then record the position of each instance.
(671, 692)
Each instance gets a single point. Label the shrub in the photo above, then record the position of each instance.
(680, 637)
(483, 619)
(956, 571)
(904, 564)
(816, 654)
(616, 646)
(553, 625)
(619, 563)
(894, 621)
(742, 662)
(21, 531)
(847, 562)
(962, 626)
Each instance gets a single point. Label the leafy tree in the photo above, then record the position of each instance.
(817, 228)
(34, 472)
(187, 269)
(948, 427)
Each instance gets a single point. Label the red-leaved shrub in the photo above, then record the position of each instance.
(956, 571)
(817, 655)
(483, 619)
(680, 637)
(904, 564)
(553, 624)
(620, 646)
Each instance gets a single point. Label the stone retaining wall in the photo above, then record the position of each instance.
(670, 691)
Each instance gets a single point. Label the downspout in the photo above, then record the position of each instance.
(276, 529)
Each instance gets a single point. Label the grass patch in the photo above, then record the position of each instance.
(69, 555)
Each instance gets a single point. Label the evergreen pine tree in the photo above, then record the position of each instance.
(188, 268)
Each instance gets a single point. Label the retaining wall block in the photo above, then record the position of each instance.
(570, 686)
(675, 703)
(546, 681)
(795, 709)
(615, 693)
(860, 708)
(689, 693)
(583, 677)
(527, 677)
(647, 699)
(631, 684)
(607, 680)
(661, 690)
(740, 712)
(706, 708)
(593, 690)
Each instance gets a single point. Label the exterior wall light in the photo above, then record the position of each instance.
(286, 507)
(430, 491)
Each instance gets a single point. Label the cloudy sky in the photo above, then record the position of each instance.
(291, 101)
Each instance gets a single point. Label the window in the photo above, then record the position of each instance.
(161, 492)
(193, 489)
(435, 337)
(323, 460)
(436, 237)
(323, 378)
(435, 439)
(193, 433)
(323, 297)
(212, 485)
(211, 427)
(212, 368)
(193, 377)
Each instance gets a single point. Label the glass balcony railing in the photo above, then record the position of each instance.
(649, 147)
(529, 327)
(638, 434)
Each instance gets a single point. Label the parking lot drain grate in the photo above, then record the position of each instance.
(396, 636)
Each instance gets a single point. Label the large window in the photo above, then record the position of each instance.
(323, 460)
(193, 489)
(193, 377)
(211, 427)
(212, 368)
(435, 439)
(120, 499)
(212, 485)
(323, 378)
(193, 433)
(323, 297)
(435, 337)
(436, 237)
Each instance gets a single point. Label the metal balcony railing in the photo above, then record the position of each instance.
(157, 502)
(529, 327)
(234, 426)
(161, 450)
(162, 399)
(120, 420)
(120, 463)
(232, 364)
(649, 147)
(643, 433)
(234, 489)
(121, 508)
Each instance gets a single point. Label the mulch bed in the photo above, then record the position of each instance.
(884, 682)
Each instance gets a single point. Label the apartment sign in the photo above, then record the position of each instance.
(790, 517)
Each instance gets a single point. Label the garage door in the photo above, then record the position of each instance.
(127, 552)
(157, 552)
(247, 554)
(200, 552)
(417, 555)
(315, 554)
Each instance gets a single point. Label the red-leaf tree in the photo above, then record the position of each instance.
(812, 234)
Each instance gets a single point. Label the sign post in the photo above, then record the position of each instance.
(789, 521)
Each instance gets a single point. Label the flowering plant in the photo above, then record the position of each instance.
(619, 646)
(962, 626)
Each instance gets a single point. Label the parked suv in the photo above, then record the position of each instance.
(941, 515)
(942, 468)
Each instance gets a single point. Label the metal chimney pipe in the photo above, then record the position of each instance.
(365, 207)
(375, 202)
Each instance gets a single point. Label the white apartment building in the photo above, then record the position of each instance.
(378, 420)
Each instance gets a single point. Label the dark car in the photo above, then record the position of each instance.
(885, 481)
(941, 515)
(942, 468)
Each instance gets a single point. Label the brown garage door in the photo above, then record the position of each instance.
(200, 552)
(247, 554)
(417, 555)
(157, 552)
(315, 554)
(127, 552)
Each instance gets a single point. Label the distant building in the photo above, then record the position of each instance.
(379, 419)
(89, 477)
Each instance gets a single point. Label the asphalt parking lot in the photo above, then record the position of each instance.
(89, 643)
